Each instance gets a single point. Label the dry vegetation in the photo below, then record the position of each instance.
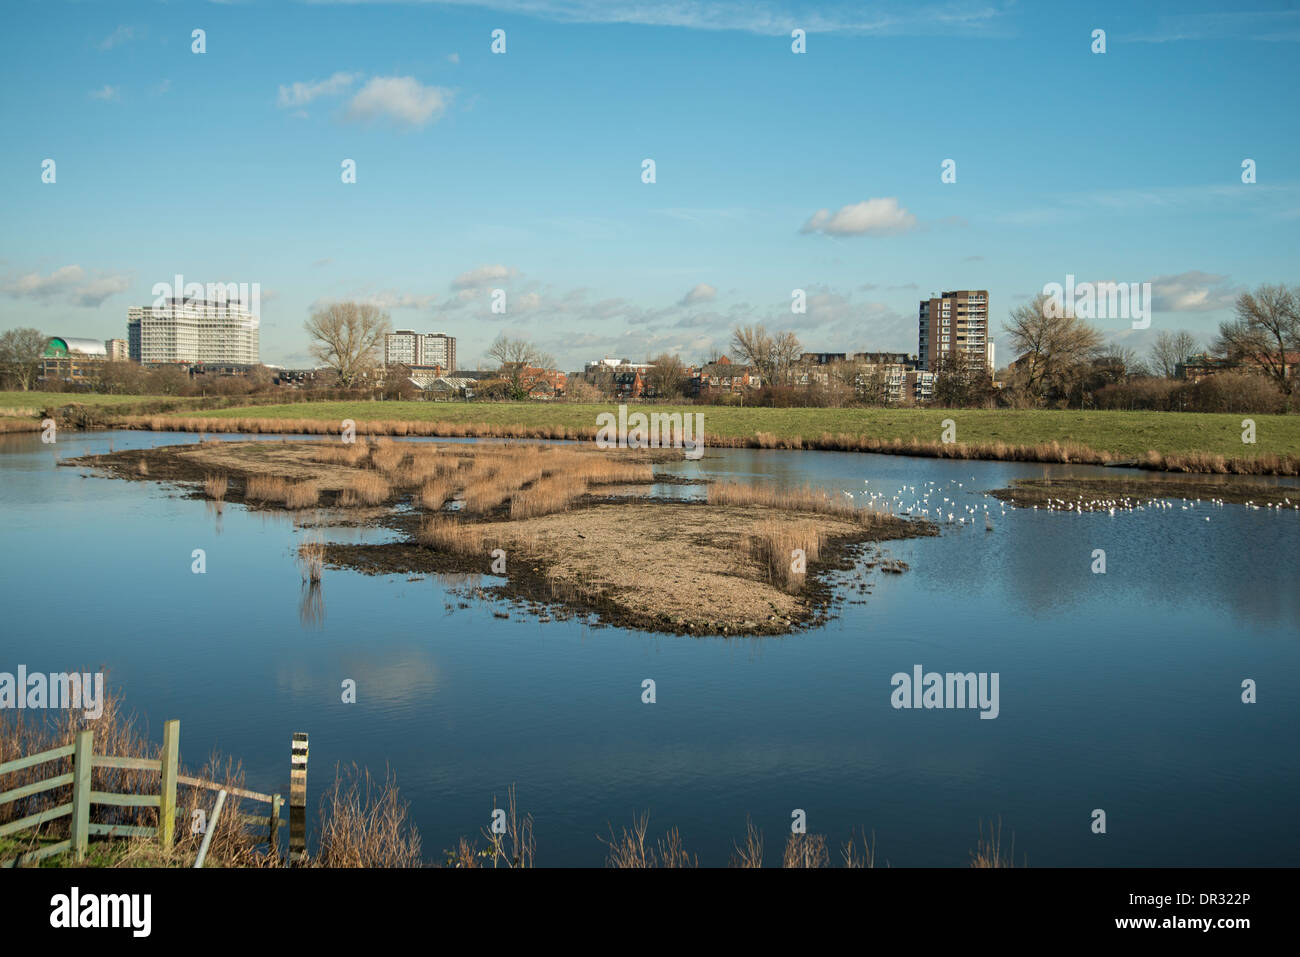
(575, 522)
(214, 487)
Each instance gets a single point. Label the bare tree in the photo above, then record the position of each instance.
(520, 364)
(20, 355)
(1170, 350)
(1053, 349)
(348, 337)
(667, 376)
(1266, 328)
(773, 356)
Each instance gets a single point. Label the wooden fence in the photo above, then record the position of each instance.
(167, 766)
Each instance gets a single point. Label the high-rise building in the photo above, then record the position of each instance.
(954, 322)
(191, 331)
(118, 350)
(405, 347)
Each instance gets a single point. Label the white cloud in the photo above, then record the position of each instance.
(299, 94)
(701, 293)
(402, 99)
(482, 276)
(119, 36)
(105, 93)
(871, 217)
(1193, 291)
(69, 283)
(453, 58)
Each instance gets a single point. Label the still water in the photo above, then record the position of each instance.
(1119, 691)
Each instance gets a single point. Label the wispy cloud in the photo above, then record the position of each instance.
(122, 34)
(300, 94)
(701, 293)
(899, 17)
(67, 284)
(106, 93)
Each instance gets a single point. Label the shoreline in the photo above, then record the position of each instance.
(1053, 452)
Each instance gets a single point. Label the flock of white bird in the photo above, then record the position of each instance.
(930, 503)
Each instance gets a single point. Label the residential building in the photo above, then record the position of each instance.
(193, 330)
(723, 376)
(118, 350)
(953, 322)
(409, 348)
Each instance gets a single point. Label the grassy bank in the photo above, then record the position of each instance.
(1207, 442)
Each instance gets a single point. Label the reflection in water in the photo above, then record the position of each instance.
(311, 606)
(217, 511)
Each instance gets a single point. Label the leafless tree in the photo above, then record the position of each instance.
(20, 355)
(1171, 349)
(667, 376)
(1055, 348)
(1265, 329)
(348, 337)
(772, 355)
(519, 363)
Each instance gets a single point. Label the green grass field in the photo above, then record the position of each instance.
(1124, 434)
(43, 400)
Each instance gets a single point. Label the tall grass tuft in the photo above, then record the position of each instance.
(366, 488)
(214, 487)
(365, 823)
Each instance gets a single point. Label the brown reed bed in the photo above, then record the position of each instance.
(805, 499)
(270, 489)
(19, 425)
(784, 550)
(552, 493)
(365, 488)
(215, 486)
(301, 494)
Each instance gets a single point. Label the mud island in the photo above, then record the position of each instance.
(571, 527)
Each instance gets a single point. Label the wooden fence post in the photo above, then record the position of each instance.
(167, 798)
(81, 764)
(298, 797)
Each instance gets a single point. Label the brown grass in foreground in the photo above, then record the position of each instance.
(364, 823)
(118, 733)
(989, 851)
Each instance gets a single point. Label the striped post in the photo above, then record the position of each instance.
(298, 797)
(167, 793)
(80, 830)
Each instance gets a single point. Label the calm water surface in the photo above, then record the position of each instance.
(1118, 691)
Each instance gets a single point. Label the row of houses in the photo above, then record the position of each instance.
(895, 377)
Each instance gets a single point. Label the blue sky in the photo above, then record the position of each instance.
(522, 171)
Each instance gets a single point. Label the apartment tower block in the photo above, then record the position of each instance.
(955, 322)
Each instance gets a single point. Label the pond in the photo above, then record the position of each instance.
(1120, 691)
